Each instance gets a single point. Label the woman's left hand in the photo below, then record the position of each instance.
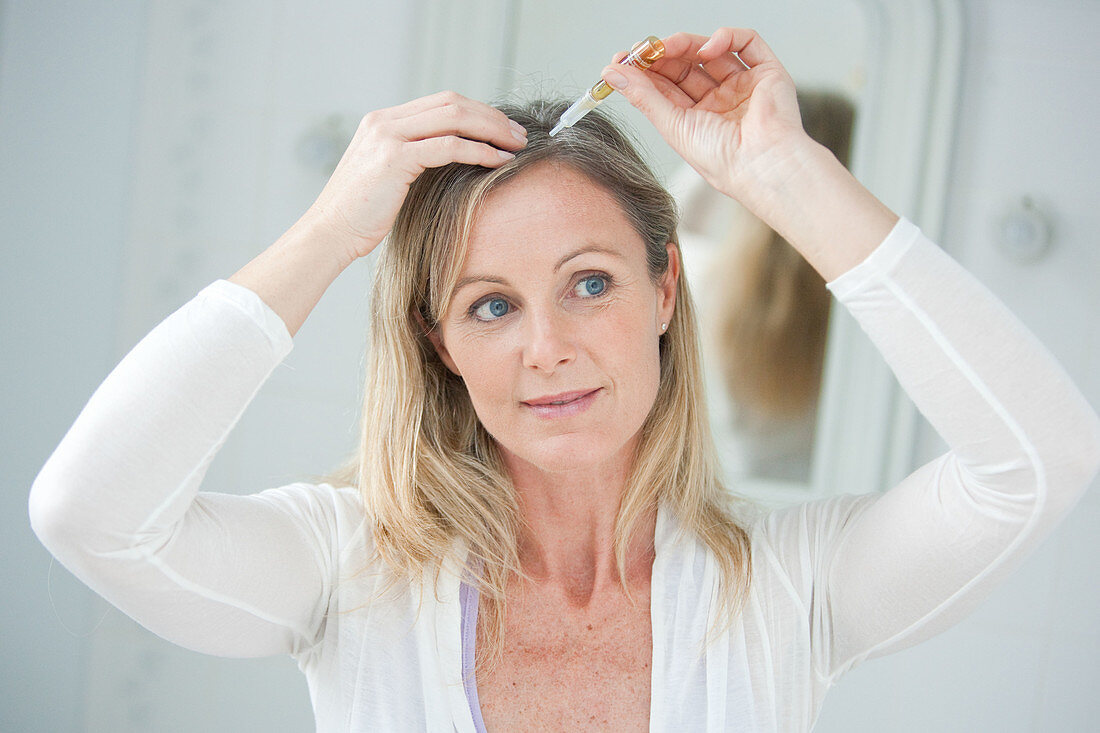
(728, 107)
(734, 118)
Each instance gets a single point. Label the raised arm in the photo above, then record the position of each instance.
(118, 504)
(118, 501)
(1024, 446)
(878, 573)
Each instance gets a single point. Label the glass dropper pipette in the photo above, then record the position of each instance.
(642, 55)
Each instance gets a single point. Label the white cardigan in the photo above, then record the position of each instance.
(834, 582)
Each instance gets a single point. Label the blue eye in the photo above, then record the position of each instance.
(591, 286)
(491, 309)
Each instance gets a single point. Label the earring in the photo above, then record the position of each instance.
(663, 327)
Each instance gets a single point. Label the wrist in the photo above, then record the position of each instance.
(292, 274)
(804, 193)
(768, 183)
(315, 234)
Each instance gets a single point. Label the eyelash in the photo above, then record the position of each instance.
(471, 313)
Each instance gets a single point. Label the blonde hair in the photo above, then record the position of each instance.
(427, 470)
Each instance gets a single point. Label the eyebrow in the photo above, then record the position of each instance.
(470, 279)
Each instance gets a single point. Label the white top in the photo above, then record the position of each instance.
(834, 582)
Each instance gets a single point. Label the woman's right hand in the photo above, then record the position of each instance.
(392, 147)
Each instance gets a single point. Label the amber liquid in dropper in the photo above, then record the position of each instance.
(642, 55)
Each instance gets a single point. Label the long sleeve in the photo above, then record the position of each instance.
(118, 501)
(883, 572)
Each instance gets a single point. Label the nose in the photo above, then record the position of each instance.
(548, 341)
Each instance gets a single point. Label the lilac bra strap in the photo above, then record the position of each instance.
(468, 596)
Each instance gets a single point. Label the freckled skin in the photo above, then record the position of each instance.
(566, 668)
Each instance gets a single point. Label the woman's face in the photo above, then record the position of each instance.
(554, 324)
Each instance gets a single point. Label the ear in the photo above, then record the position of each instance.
(437, 342)
(666, 288)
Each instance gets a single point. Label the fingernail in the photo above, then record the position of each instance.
(505, 154)
(615, 79)
(520, 138)
(518, 130)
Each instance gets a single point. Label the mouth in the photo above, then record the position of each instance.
(563, 404)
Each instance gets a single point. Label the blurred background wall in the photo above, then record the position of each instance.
(149, 148)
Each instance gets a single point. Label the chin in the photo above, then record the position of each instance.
(569, 451)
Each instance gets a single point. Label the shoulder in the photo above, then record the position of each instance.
(829, 515)
(798, 541)
(334, 514)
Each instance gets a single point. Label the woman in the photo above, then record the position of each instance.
(533, 440)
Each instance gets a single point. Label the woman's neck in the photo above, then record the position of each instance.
(567, 541)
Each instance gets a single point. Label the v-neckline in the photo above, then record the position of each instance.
(467, 603)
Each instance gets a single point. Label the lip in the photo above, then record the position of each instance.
(575, 402)
(560, 397)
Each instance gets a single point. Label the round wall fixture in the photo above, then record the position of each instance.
(1025, 232)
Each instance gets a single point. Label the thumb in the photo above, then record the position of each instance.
(638, 88)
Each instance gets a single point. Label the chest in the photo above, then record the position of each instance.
(572, 671)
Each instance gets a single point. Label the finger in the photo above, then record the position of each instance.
(448, 98)
(682, 66)
(438, 99)
(663, 84)
(683, 44)
(641, 90)
(676, 93)
(433, 152)
(687, 45)
(746, 43)
(475, 121)
(685, 49)
(689, 77)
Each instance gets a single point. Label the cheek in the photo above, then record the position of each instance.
(637, 364)
(487, 374)
(624, 348)
(618, 348)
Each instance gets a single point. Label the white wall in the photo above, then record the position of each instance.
(1029, 658)
(149, 149)
(68, 80)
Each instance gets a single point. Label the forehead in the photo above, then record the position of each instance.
(543, 212)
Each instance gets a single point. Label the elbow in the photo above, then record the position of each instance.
(47, 515)
(54, 516)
